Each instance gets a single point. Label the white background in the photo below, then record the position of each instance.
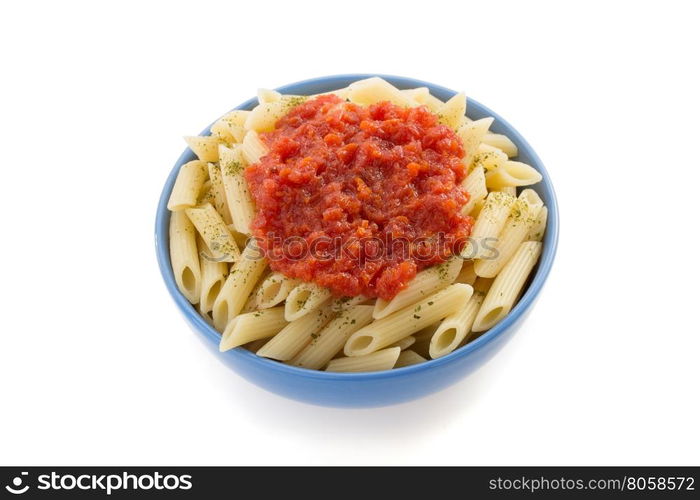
(98, 367)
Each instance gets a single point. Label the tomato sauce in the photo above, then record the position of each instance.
(359, 199)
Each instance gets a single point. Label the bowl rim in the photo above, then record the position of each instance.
(208, 332)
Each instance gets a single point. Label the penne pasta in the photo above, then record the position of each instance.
(188, 185)
(229, 128)
(452, 112)
(330, 340)
(475, 185)
(375, 89)
(426, 282)
(252, 326)
(536, 232)
(507, 286)
(455, 328)
(252, 147)
(183, 256)
(346, 302)
(213, 277)
(522, 216)
(250, 305)
(511, 190)
(501, 142)
(238, 285)
(408, 358)
(304, 298)
(214, 232)
(205, 147)
(472, 134)
(512, 173)
(488, 225)
(205, 194)
(238, 199)
(274, 290)
(490, 158)
(263, 117)
(374, 362)
(217, 192)
(296, 335)
(267, 96)
(390, 329)
(429, 100)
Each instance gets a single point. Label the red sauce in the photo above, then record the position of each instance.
(359, 199)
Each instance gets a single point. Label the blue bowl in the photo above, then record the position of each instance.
(375, 388)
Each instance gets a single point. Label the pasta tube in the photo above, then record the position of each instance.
(428, 281)
(214, 232)
(455, 327)
(238, 285)
(188, 185)
(296, 335)
(205, 147)
(488, 225)
(304, 298)
(507, 286)
(522, 217)
(183, 256)
(384, 332)
(252, 326)
(377, 361)
(329, 341)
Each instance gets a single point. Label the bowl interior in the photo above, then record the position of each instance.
(475, 110)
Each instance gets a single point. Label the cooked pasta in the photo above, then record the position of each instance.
(472, 135)
(452, 112)
(238, 285)
(205, 147)
(329, 341)
(252, 326)
(408, 358)
(304, 298)
(213, 230)
(274, 290)
(475, 184)
(296, 335)
(384, 332)
(256, 304)
(512, 173)
(455, 327)
(426, 282)
(374, 90)
(507, 286)
(213, 277)
(501, 142)
(218, 194)
(238, 198)
(488, 225)
(536, 232)
(183, 256)
(188, 185)
(374, 362)
(252, 147)
(522, 217)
